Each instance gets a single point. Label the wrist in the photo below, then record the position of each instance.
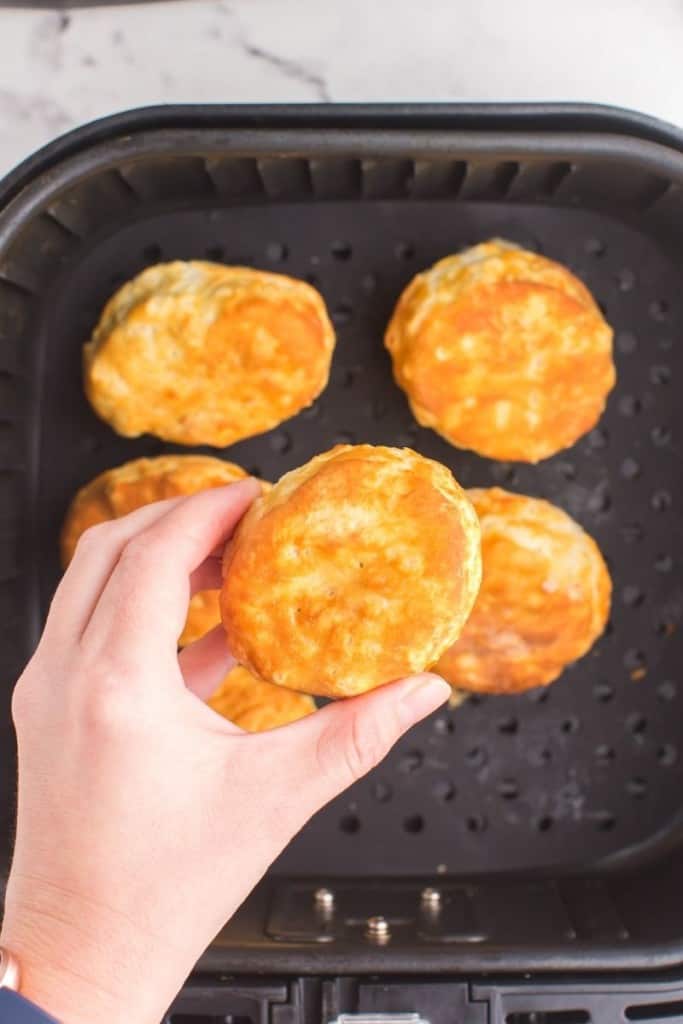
(81, 963)
(46, 977)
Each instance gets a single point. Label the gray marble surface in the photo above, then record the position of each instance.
(58, 70)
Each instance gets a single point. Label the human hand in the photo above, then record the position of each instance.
(144, 818)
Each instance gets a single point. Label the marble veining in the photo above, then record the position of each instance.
(61, 69)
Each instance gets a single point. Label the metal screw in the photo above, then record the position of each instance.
(431, 899)
(378, 930)
(324, 899)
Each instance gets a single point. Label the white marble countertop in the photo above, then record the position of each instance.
(58, 70)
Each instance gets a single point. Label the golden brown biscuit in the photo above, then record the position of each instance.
(358, 568)
(503, 352)
(125, 488)
(257, 706)
(200, 353)
(544, 598)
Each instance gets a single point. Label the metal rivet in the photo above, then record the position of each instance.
(324, 899)
(378, 929)
(431, 898)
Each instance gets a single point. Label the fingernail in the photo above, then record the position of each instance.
(424, 694)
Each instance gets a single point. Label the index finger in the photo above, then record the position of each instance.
(144, 603)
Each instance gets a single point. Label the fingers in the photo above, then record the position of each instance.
(206, 662)
(97, 553)
(330, 750)
(144, 603)
(207, 576)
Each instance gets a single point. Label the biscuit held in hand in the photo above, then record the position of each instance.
(502, 351)
(358, 568)
(201, 353)
(544, 598)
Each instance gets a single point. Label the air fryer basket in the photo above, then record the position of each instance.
(549, 822)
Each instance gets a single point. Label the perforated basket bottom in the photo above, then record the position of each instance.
(563, 777)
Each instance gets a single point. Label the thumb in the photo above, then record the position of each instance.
(333, 748)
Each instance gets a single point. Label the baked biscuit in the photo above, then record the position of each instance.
(503, 352)
(358, 568)
(200, 353)
(124, 488)
(256, 706)
(544, 598)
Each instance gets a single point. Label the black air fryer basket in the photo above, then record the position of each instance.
(509, 857)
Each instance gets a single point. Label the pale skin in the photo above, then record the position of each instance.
(144, 818)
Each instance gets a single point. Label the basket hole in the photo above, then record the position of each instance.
(313, 280)
(539, 696)
(667, 755)
(369, 283)
(476, 757)
(659, 310)
(667, 690)
(661, 501)
(411, 762)
(570, 725)
(665, 628)
(595, 247)
(277, 252)
(444, 790)
(508, 789)
(605, 821)
(629, 405)
(627, 342)
(604, 754)
(475, 700)
(405, 251)
(603, 692)
(342, 314)
(626, 280)
(544, 824)
(382, 792)
(508, 726)
(215, 253)
(540, 756)
(632, 532)
(504, 473)
(341, 251)
(630, 469)
(599, 501)
(255, 471)
(664, 563)
(567, 470)
(661, 436)
(476, 823)
(634, 658)
(660, 374)
(598, 438)
(632, 596)
(413, 824)
(637, 724)
(444, 726)
(636, 787)
(281, 442)
(152, 253)
(350, 824)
